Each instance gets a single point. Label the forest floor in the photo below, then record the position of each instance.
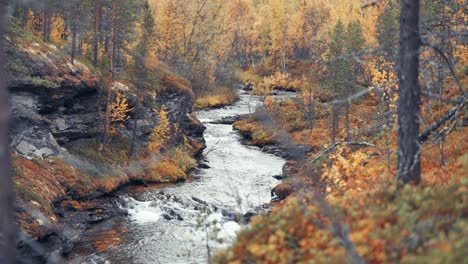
(344, 199)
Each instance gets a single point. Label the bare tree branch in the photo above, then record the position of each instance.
(449, 64)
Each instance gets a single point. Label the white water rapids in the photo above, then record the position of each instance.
(185, 222)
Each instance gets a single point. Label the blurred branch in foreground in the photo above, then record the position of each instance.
(7, 228)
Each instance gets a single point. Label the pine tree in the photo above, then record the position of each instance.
(388, 33)
(336, 71)
(409, 147)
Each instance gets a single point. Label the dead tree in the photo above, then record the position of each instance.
(7, 226)
(409, 148)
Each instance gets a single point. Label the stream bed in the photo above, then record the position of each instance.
(185, 223)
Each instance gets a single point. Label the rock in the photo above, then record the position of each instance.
(203, 166)
(290, 168)
(247, 87)
(275, 150)
(281, 191)
(57, 106)
(279, 177)
(171, 215)
(229, 120)
(200, 201)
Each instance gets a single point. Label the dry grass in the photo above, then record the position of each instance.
(252, 129)
(217, 97)
(174, 84)
(164, 171)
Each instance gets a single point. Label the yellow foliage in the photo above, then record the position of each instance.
(185, 161)
(161, 133)
(279, 80)
(218, 97)
(166, 170)
(118, 113)
(347, 171)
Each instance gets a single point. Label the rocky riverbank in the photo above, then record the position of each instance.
(58, 172)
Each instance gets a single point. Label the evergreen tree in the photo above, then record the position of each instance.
(388, 31)
(336, 71)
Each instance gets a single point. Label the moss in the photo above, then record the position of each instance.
(23, 189)
(115, 153)
(28, 194)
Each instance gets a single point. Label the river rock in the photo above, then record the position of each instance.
(229, 120)
(281, 191)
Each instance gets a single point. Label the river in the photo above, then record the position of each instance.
(185, 223)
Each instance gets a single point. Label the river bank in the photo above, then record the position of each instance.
(187, 222)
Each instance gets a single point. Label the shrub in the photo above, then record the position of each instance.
(161, 132)
(166, 170)
(185, 162)
(217, 97)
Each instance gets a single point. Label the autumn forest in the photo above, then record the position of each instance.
(233, 131)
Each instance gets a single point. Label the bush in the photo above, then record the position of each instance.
(164, 171)
(260, 136)
(217, 97)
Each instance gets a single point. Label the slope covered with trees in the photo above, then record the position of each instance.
(375, 137)
(377, 110)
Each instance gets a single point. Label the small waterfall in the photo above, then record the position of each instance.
(186, 222)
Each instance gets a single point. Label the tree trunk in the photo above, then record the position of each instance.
(44, 25)
(106, 33)
(335, 122)
(7, 226)
(96, 32)
(110, 81)
(24, 20)
(73, 45)
(409, 148)
(80, 43)
(348, 137)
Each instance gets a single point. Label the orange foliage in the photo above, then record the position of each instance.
(175, 84)
(166, 170)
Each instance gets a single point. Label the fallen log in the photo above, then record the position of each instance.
(454, 111)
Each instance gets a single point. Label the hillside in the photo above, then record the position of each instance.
(55, 130)
(233, 131)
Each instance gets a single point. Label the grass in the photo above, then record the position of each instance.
(217, 97)
(174, 166)
(252, 129)
(115, 153)
(247, 76)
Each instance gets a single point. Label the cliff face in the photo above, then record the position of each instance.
(55, 108)
(55, 103)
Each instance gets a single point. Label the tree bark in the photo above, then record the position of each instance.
(24, 20)
(73, 44)
(348, 136)
(335, 123)
(44, 25)
(97, 8)
(409, 148)
(110, 80)
(7, 226)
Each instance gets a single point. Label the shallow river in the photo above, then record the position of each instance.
(184, 223)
